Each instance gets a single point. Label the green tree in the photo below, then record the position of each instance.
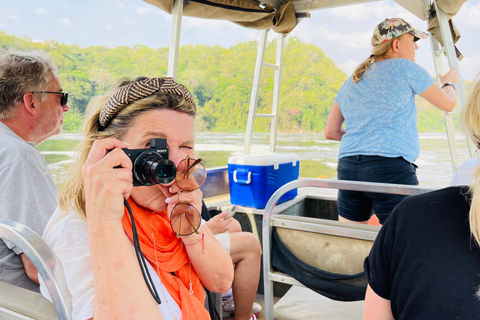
(220, 80)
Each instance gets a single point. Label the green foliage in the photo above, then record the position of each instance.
(220, 80)
(72, 121)
(429, 118)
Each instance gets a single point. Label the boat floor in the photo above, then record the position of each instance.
(300, 303)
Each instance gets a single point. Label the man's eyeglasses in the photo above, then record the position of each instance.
(63, 98)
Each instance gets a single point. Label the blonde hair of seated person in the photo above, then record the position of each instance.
(470, 121)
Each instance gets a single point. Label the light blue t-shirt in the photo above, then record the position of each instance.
(380, 112)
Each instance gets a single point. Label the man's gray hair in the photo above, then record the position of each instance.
(22, 72)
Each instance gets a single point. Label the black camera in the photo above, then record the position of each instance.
(151, 166)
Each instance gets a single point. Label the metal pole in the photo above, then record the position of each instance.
(276, 91)
(255, 88)
(175, 39)
(452, 62)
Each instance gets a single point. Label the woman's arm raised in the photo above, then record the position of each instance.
(210, 260)
(444, 99)
(120, 291)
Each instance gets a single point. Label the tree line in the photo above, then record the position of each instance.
(220, 80)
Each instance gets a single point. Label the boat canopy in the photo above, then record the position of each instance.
(283, 15)
(251, 14)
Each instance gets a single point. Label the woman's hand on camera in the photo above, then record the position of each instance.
(107, 176)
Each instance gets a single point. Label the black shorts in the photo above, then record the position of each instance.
(356, 205)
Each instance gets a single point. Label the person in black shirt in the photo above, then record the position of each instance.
(425, 263)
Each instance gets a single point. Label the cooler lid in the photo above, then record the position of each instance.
(264, 159)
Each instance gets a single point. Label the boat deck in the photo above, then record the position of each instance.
(303, 304)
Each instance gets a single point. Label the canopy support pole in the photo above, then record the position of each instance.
(449, 50)
(276, 91)
(175, 39)
(252, 113)
(255, 88)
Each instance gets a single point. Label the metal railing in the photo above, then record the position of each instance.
(43, 258)
(331, 227)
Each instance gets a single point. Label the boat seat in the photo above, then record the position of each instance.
(21, 303)
(50, 271)
(328, 258)
(323, 255)
(339, 254)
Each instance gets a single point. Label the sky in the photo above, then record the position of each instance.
(343, 33)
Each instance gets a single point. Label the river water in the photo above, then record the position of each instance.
(318, 156)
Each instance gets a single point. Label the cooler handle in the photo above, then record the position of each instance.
(249, 178)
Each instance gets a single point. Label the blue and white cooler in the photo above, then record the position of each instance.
(254, 178)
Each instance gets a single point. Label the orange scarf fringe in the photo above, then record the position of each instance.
(170, 256)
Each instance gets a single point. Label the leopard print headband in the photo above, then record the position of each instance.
(140, 89)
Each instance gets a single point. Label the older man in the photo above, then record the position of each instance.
(32, 104)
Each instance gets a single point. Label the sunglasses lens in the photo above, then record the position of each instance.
(185, 219)
(64, 99)
(191, 174)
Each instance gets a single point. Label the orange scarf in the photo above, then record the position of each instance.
(170, 256)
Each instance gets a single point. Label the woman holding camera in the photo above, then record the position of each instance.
(91, 232)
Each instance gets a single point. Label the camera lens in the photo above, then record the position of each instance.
(150, 168)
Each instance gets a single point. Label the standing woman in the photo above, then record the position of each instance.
(377, 103)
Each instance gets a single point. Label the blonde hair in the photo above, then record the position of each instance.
(470, 121)
(379, 52)
(72, 195)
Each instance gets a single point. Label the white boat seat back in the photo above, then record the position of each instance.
(21, 303)
(330, 253)
(49, 268)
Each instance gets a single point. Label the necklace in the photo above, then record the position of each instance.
(158, 272)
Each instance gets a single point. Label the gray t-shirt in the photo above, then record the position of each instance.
(28, 195)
